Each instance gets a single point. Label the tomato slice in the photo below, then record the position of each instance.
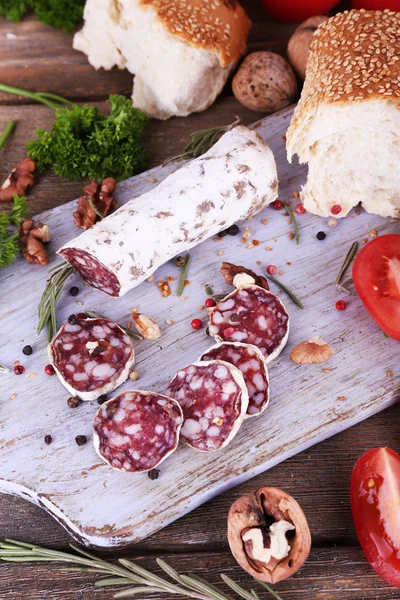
(375, 504)
(376, 275)
(297, 10)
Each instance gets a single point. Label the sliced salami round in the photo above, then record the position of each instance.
(91, 356)
(252, 315)
(253, 367)
(214, 399)
(136, 430)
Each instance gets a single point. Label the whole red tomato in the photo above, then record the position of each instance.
(375, 504)
(376, 275)
(376, 4)
(297, 10)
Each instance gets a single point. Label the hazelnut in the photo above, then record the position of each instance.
(300, 42)
(265, 82)
(268, 534)
(313, 351)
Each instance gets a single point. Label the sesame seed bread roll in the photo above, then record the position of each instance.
(347, 123)
(180, 51)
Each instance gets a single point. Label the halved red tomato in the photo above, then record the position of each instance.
(376, 275)
(375, 504)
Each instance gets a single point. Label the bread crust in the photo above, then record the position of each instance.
(221, 26)
(354, 56)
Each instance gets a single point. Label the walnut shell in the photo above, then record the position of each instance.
(315, 350)
(260, 509)
(265, 82)
(300, 42)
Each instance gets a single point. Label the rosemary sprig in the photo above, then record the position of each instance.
(4, 370)
(346, 263)
(201, 141)
(286, 289)
(94, 209)
(182, 278)
(127, 573)
(132, 334)
(9, 128)
(294, 223)
(51, 295)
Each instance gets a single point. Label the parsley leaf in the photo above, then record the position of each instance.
(86, 143)
(8, 236)
(62, 14)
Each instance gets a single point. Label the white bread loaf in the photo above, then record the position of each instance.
(181, 51)
(347, 123)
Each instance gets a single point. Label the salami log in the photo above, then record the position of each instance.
(214, 399)
(252, 364)
(252, 315)
(234, 180)
(91, 356)
(136, 430)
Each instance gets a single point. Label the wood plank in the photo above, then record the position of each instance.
(324, 497)
(339, 573)
(67, 483)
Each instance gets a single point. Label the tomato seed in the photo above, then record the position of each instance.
(49, 370)
(277, 205)
(271, 269)
(340, 305)
(336, 209)
(210, 302)
(19, 369)
(197, 324)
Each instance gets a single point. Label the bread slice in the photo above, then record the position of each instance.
(181, 51)
(347, 123)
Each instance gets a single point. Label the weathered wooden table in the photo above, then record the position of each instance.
(41, 58)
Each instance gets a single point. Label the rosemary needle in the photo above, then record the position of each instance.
(346, 263)
(48, 302)
(286, 289)
(294, 223)
(182, 278)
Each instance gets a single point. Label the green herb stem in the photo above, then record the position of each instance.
(4, 370)
(346, 263)
(286, 289)
(208, 290)
(9, 128)
(38, 96)
(182, 278)
(50, 297)
(94, 209)
(294, 223)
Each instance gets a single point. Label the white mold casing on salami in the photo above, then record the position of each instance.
(214, 400)
(137, 430)
(234, 180)
(252, 315)
(79, 366)
(253, 366)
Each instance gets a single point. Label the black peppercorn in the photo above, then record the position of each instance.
(101, 399)
(48, 439)
(233, 230)
(27, 350)
(223, 233)
(321, 235)
(234, 318)
(153, 474)
(180, 261)
(81, 440)
(73, 402)
(74, 291)
(72, 320)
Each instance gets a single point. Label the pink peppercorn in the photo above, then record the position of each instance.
(271, 269)
(336, 209)
(197, 324)
(49, 370)
(300, 209)
(277, 205)
(210, 302)
(19, 369)
(340, 305)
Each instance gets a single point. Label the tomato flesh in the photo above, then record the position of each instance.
(376, 275)
(375, 504)
(297, 10)
(376, 4)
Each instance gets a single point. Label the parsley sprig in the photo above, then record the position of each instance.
(9, 223)
(61, 14)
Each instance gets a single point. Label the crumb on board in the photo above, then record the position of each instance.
(169, 321)
(220, 253)
(389, 373)
(281, 273)
(373, 233)
(289, 263)
(287, 203)
(291, 236)
(164, 288)
(364, 241)
(186, 282)
(31, 375)
(183, 298)
(296, 195)
(342, 398)
(326, 370)
(133, 310)
(332, 222)
(256, 242)
(15, 363)
(150, 279)
(128, 324)
(288, 221)
(268, 248)
(201, 307)
(265, 221)
(153, 180)
(258, 262)
(218, 239)
(250, 246)
(250, 218)
(13, 396)
(247, 233)
(79, 302)
(358, 211)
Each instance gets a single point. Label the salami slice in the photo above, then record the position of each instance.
(214, 399)
(136, 430)
(252, 364)
(252, 315)
(91, 356)
(234, 180)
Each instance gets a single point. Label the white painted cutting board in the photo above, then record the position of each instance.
(100, 506)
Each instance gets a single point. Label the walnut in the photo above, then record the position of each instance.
(230, 272)
(265, 82)
(300, 42)
(313, 351)
(268, 534)
(101, 195)
(32, 239)
(146, 326)
(19, 180)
